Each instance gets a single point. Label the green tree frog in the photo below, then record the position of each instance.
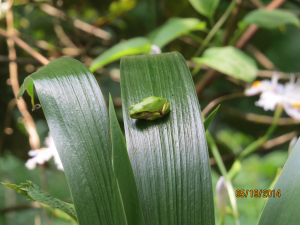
(150, 108)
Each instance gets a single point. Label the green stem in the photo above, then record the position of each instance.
(195, 37)
(255, 145)
(215, 151)
(237, 35)
(216, 28)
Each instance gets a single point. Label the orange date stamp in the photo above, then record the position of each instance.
(257, 193)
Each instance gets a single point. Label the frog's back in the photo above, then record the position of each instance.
(148, 103)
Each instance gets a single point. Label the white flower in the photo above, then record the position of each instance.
(221, 195)
(155, 49)
(42, 155)
(273, 93)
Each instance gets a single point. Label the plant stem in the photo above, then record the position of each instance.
(253, 146)
(216, 28)
(221, 166)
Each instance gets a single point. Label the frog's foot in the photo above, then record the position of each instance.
(154, 116)
(165, 109)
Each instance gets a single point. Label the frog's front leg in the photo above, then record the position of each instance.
(165, 109)
(154, 116)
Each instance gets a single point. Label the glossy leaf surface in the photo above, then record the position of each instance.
(132, 46)
(271, 19)
(285, 209)
(77, 117)
(230, 61)
(205, 7)
(169, 155)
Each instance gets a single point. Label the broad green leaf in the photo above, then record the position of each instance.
(27, 85)
(169, 156)
(174, 28)
(123, 171)
(205, 7)
(230, 61)
(77, 117)
(34, 193)
(132, 46)
(271, 19)
(208, 120)
(285, 209)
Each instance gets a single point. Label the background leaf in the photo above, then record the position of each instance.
(174, 28)
(132, 46)
(285, 210)
(34, 193)
(230, 61)
(271, 19)
(205, 7)
(169, 156)
(123, 171)
(77, 117)
(208, 120)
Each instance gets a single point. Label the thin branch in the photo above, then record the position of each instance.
(279, 140)
(24, 46)
(7, 122)
(20, 60)
(76, 22)
(217, 26)
(257, 3)
(232, 22)
(34, 139)
(217, 101)
(259, 118)
(260, 57)
(269, 74)
(213, 74)
(253, 28)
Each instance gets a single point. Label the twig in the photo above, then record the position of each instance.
(76, 22)
(217, 26)
(19, 207)
(7, 121)
(257, 3)
(260, 57)
(259, 118)
(279, 140)
(253, 28)
(217, 101)
(24, 46)
(212, 74)
(259, 142)
(20, 60)
(232, 22)
(64, 39)
(34, 139)
(269, 74)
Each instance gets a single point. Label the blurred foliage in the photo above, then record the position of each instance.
(123, 20)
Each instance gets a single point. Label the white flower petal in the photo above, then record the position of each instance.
(269, 100)
(155, 49)
(292, 111)
(30, 164)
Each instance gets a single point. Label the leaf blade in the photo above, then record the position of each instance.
(271, 19)
(230, 61)
(174, 28)
(132, 46)
(34, 193)
(208, 120)
(284, 209)
(77, 117)
(165, 158)
(205, 7)
(124, 173)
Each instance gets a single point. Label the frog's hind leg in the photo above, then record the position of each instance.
(154, 116)
(165, 109)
